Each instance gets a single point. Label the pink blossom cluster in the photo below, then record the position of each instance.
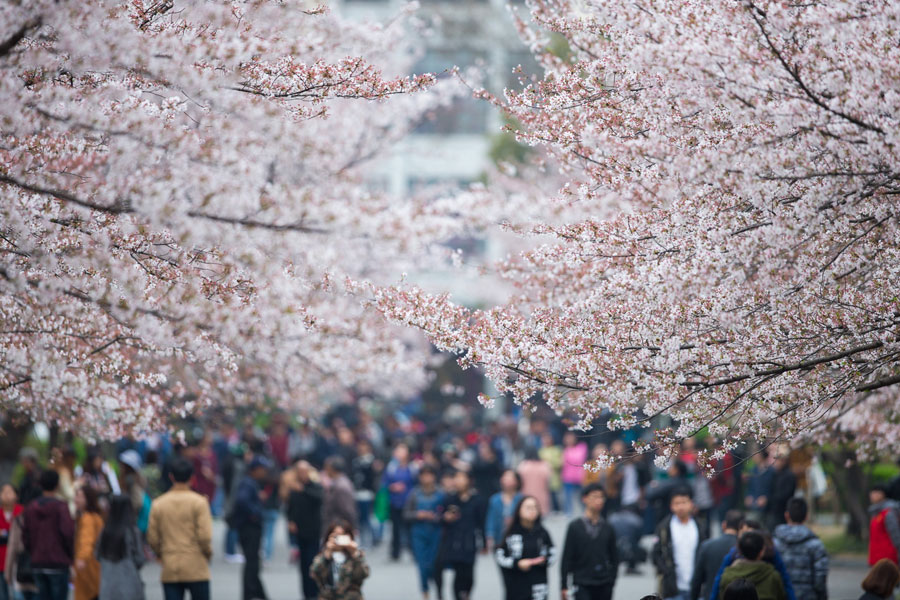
(184, 215)
(731, 254)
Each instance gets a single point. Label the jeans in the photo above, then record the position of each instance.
(52, 585)
(250, 536)
(308, 551)
(270, 518)
(218, 502)
(231, 541)
(199, 590)
(6, 592)
(571, 498)
(366, 531)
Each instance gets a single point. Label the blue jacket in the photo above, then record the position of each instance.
(497, 513)
(395, 473)
(806, 560)
(776, 562)
(248, 507)
(419, 500)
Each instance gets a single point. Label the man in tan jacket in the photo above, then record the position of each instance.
(180, 533)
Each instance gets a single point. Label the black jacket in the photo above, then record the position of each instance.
(784, 484)
(709, 559)
(519, 543)
(461, 538)
(304, 509)
(591, 560)
(664, 556)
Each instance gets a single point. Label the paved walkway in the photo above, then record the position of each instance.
(399, 581)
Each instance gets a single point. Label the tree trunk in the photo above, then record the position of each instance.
(13, 433)
(851, 485)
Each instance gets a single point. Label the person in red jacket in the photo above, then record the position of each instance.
(49, 537)
(884, 526)
(9, 510)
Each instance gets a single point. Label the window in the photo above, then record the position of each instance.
(465, 114)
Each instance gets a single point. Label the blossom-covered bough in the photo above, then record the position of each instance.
(183, 213)
(737, 262)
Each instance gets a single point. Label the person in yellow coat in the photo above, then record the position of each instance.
(86, 570)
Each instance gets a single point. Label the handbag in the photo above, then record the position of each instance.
(24, 574)
(382, 507)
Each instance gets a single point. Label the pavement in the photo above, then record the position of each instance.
(399, 580)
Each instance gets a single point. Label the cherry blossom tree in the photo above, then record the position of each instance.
(735, 263)
(184, 214)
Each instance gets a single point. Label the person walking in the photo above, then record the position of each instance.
(338, 502)
(63, 461)
(628, 525)
(340, 569)
(365, 469)
(86, 571)
(423, 515)
(551, 454)
(94, 476)
(501, 507)
(752, 567)
(206, 467)
(572, 475)
(525, 553)
(678, 538)
(30, 485)
(884, 526)
(135, 487)
(237, 468)
(486, 470)
(398, 478)
(120, 553)
(271, 512)
(304, 514)
(17, 568)
(180, 533)
(803, 553)
(49, 538)
(10, 509)
(463, 534)
(536, 476)
(247, 518)
(741, 589)
(880, 581)
(782, 489)
(770, 555)
(590, 558)
(711, 554)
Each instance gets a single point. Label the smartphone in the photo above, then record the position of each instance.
(343, 540)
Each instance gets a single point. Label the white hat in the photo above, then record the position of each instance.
(132, 459)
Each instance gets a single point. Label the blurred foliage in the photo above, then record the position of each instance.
(504, 148)
(838, 542)
(559, 47)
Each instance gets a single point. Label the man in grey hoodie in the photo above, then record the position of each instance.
(803, 553)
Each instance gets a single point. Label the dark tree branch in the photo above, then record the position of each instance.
(9, 43)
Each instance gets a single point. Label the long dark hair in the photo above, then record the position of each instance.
(516, 523)
(113, 544)
(91, 499)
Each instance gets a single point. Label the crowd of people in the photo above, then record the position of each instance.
(443, 492)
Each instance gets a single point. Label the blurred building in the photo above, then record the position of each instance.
(453, 148)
